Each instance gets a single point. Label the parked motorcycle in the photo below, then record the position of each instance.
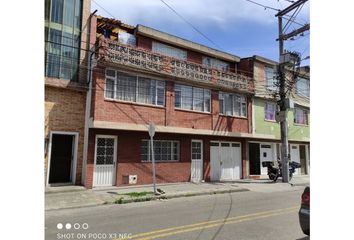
(275, 172)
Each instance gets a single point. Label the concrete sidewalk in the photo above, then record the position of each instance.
(77, 196)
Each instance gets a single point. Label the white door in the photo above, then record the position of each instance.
(266, 154)
(197, 161)
(295, 156)
(236, 159)
(225, 158)
(226, 163)
(214, 161)
(105, 161)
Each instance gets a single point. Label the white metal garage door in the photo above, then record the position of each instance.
(225, 161)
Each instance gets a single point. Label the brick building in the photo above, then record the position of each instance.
(263, 71)
(195, 95)
(66, 44)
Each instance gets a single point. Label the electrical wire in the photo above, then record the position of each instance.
(190, 24)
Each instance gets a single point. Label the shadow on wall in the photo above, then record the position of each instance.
(222, 126)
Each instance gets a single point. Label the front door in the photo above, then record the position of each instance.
(61, 158)
(254, 155)
(295, 156)
(197, 161)
(266, 151)
(303, 159)
(105, 161)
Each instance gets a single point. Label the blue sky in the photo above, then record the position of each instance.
(236, 26)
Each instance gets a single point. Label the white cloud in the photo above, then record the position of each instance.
(198, 12)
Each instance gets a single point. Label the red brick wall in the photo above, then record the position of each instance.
(194, 57)
(118, 111)
(65, 111)
(245, 67)
(144, 42)
(129, 161)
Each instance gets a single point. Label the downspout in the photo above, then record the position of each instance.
(88, 104)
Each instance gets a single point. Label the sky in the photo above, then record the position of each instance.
(238, 27)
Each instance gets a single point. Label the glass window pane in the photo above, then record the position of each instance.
(160, 95)
(66, 70)
(169, 51)
(69, 10)
(57, 11)
(109, 88)
(77, 14)
(178, 96)
(270, 78)
(144, 93)
(198, 99)
(221, 103)
(187, 97)
(126, 87)
(206, 100)
(228, 104)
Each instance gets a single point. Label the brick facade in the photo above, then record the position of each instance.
(136, 113)
(129, 159)
(65, 112)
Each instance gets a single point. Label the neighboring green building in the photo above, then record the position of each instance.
(264, 122)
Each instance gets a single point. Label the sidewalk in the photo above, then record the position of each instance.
(78, 196)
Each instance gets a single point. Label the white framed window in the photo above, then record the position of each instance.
(165, 150)
(301, 116)
(232, 104)
(270, 111)
(303, 87)
(216, 63)
(192, 98)
(133, 88)
(271, 80)
(169, 51)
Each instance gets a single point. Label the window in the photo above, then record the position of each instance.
(303, 87)
(192, 98)
(301, 116)
(104, 151)
(271, 79)
(165, 150)
(169, 51)
(232, 104)
(216, 63)
(133, 88)
(62, 36)
(269, 111)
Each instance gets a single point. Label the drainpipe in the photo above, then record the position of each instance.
(88, 105)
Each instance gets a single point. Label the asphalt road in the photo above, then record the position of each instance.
(235, 216)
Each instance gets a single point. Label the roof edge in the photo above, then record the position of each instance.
(168, 38)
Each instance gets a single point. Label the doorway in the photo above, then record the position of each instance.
(254, 155)
(62, 157)
(197, 161)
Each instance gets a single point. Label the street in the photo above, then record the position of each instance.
(243, 215)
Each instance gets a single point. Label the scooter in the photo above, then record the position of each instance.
(275, 172)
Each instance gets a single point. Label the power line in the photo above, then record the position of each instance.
(264, 6)
(103, 9)
(185, 20)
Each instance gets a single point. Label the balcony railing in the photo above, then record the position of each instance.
(114, 52)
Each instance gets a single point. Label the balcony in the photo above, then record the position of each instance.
(123, 55)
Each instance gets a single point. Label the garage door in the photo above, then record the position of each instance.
(225, 158)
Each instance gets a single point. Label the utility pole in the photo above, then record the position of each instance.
(283, 103)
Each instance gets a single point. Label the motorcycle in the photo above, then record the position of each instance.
(275, 172)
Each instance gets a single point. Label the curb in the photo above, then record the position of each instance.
(154, 198)
(178, 195)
